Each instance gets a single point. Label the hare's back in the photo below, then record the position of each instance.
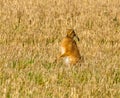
(67, 42)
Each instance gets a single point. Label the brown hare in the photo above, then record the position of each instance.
(69, 49)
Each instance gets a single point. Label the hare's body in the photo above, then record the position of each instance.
(69, 49)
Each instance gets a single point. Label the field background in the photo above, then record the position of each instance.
(30, 32)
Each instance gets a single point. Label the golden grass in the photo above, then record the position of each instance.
(30, 32)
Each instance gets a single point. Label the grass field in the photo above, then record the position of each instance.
(30, 32)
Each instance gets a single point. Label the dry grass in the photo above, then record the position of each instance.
(30, 32)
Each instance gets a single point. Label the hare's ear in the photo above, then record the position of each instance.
(77, 37)
(70, 32)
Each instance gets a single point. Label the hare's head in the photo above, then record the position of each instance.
(71, 34)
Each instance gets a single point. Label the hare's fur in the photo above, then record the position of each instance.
(69, 49)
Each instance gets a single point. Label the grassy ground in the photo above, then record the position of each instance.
(30, 32)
